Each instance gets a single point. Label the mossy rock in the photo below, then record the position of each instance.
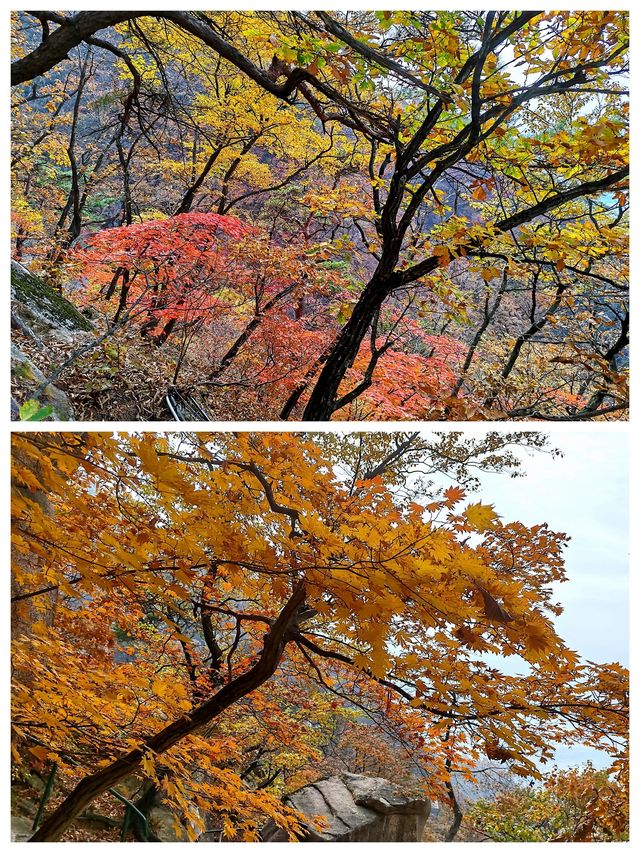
(40, 306)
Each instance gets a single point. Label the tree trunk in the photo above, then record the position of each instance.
(323, 397)
(249, 329)
(189, 196)
(457, 813)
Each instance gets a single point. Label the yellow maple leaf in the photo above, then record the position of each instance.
(480, 516)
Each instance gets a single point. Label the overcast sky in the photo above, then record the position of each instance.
(583, 494)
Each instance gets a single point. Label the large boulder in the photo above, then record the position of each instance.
(164, 825)
(47, 320)
(24, 808)
(40, 308)
(351, 807)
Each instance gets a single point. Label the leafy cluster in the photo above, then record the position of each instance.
(571, 805)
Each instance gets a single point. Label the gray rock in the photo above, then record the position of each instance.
(383, 797)
(65, 336)
(351, 807)
(163, 824)
(25, 370)
(21, 828)
(39, 307)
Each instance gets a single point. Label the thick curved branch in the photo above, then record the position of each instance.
(55, 47)
(92, 786)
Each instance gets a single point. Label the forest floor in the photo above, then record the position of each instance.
(123, 378)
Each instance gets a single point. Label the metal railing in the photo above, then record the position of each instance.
(184, 407)
(130, 808)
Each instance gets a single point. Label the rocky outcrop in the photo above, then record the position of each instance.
(24, 807)
(350, 807)
(40, 308)
(21, 828)
(46, 318)
(164, 826)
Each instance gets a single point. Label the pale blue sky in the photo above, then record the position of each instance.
(585, 495)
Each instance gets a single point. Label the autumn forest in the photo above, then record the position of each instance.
(321, 216)
(204, 624)
(242, 608)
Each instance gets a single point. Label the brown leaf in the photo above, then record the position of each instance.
(492, 610)
(498, 753)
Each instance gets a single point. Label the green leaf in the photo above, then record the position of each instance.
(31, 410)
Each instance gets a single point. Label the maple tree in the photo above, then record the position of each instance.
(211, 612)
(469, 172)
(215, 280)
(168, 270)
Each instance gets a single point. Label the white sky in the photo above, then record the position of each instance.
(585, 495)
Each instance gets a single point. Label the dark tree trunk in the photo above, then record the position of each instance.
(249, 329)
(111, 289)
(122, 302)
(457, 813)
(323, 397)
(163, 337)
(189, 196)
